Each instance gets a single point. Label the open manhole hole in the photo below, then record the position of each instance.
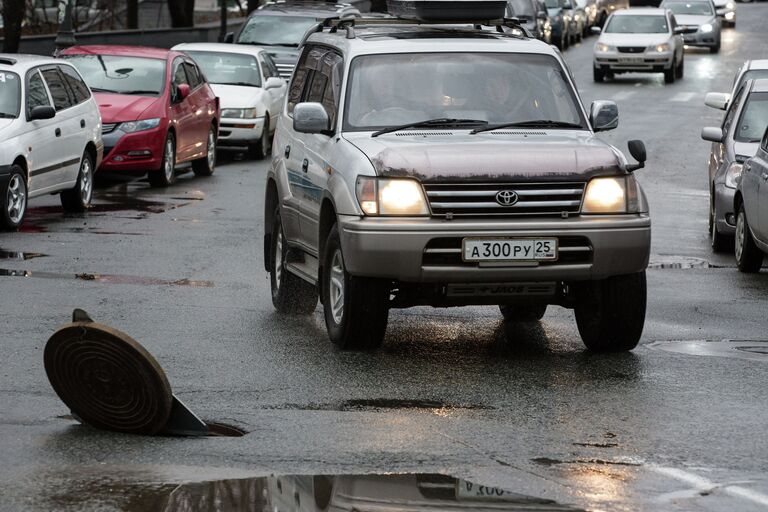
(753, 350)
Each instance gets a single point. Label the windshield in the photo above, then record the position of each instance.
(696, 8)
(228, 68)
(275, 30)
(396, 89)
(552, 4)
(754, 118)
(625, 24)
(522, 8)
(121, 74)
(10, 92)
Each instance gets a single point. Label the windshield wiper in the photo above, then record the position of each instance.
(538, 123)
(139, 91)
(246, 84)
(440, 122)
(6, 115)
(259, 43)
(99, 89)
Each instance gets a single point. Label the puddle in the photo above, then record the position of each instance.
(379, 404)
(679, 262)
(216, 429)
(753, 350)
(546, 461)
(107, 278)
(158, 488)
(13, 255)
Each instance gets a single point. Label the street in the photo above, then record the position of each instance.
(676, 424)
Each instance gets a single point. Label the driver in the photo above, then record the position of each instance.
(510, 98)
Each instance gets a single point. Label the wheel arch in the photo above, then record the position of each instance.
(271, 203)
(737, 201)
(22, 163)
(328, 219)
(90, 148)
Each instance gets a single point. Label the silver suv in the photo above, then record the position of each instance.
(417, 164)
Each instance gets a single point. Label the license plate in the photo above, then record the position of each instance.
(509, 249)
(631, 60)
(471, 491)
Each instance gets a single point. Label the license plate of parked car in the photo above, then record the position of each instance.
(466, 490)
(509, 249)
(631, 60)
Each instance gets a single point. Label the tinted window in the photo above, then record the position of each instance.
(179, 76)
(271, 65)
(300, 76)
(696, 8)
(37, 96)
(59, 93)
(275, 30)
(228, 68)
(323, 80)
(754, 118)
(629, 24)
(76, 84)
(192, 75)
(10, 94)
(118, 74)
(734, 106)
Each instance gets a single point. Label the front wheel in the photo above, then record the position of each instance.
(166, 175)
(680, 70)
(716, 48)
(749, 257)
(79, 197)
(356, 308)
(261, 148)
(206, 165)
(610, 313)
(671, 73)
(598, 75)
(14, 198)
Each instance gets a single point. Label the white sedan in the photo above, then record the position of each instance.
(249, 89)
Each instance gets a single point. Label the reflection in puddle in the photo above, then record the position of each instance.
(753, 350)
(405, 492)
(107, 278)
(14, 255)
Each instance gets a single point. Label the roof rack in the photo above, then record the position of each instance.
(349, 24)
(8, 61)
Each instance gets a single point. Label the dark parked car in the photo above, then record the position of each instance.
(561, 18)
(533, 16)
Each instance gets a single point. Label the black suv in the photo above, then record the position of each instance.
(280, 27)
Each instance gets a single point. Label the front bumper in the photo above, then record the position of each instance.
(725, 218)
(133, 153)
(708, 39)
(240, 132)
(423, 250)
(652, 62)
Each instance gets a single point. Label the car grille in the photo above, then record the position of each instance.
(470, 199)
(446, 252)
(631, 49)
(108, 127)
(285, 70)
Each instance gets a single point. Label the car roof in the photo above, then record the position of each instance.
(760, 85)
(20, 62)
(220, 47)
(640, 10)
(758, 64)
(113, 49)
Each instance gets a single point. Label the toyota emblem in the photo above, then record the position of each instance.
(506, 197)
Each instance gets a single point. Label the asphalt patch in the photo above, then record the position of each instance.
(107, 278)
(752, 350)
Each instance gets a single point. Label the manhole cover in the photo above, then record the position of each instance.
(677, 262)
(753, 350)
(107, 379)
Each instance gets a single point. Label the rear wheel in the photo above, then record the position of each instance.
(749, 257)
(79, 197)
(290, 293)
(14, 200)
(610, 313)
(523, 313)
(166, 175)
(356, 308)
(206, 165)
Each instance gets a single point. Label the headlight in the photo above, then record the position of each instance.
(730, 5)
(238, 113)
(137, 126)
(733, 175)
(602, 48)
(660, 48)
(384, 196)
(611, 195)
(706, 28)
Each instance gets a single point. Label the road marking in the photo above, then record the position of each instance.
(683, 97)
(623, 95)
(702, 484)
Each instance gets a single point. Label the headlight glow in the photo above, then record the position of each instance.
(238, 113)
(137, 126)
(602, 48)
(606, 195)
(660, 48)
(730, 5)
(387, 196)
(733, 175)
(706, 28)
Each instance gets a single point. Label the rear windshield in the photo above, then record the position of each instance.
(394, 89)
(120, 74)
(522, 8)
(10, 94)
(695, 8)
(275, 30)
(754, 118)
(228, 68)
(635, 24)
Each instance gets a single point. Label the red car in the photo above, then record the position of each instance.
(157, 110)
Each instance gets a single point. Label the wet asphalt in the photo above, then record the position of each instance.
(678, 424)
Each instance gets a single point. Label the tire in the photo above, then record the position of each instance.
(356, 308)
(610, 314)
(749, 257)
(680, 70)
(166, 175)
(715, 49)
(79, 197)
(262, 148)
(523, 313)
(598, 75)
(718, 241)
(669, 74)
(14, 200)
(206, 165)
(290, 294)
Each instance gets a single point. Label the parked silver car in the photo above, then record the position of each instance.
(736, 140)
(433, 165)
(699, 21)
(726, 11)
(639, 40)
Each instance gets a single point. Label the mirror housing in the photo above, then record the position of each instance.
(273, 83)
(596, 30)
(637, 150)
(603, 115)
(310, 117)
(678, 30)
(229, 37)
(712, 134)
(182, 91)
(542, 15)
(41, 112)
(718, 100)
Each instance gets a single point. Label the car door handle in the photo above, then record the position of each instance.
(82, 123)
(287, 151)
(58, 132)
(305, 165)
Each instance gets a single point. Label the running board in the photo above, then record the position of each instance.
(306, 268)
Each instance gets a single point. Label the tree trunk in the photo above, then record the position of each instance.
(182, 13)
(13, 14)
(132, 14)
(252, 5)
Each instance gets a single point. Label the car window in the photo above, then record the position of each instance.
(300, 75)
(324, 80)
(10, 94)
(521, 8)
(179, 75)
(192, 75)
(59, 92)
(228, 68)
(275, 30)
(264, 68)
(271, 66)
(695, 8)
(637, 24)
(753, 119)
(734, 106)
(76, 84)
(37, 95)
(121, 74)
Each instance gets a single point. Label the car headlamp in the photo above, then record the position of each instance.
(615, 194)
(602, 47)
(730, 5)
(391, 196)
(733, 175)
(137, 126)
(238, 113)
(706, 28)
(660, 48)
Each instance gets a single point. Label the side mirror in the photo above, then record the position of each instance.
(182, 91)
(273, 83)
(637, 150)
(712, 134)
(596, 30)
(604, 115)
(678, 30)
(310, 117)
(229, 37)
(40, 112)
(718, 100)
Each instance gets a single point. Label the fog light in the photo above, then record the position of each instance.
(118, 158)
(144, 152)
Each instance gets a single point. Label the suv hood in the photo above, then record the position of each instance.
(551, 156)
(116, 108)
(633, 39)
